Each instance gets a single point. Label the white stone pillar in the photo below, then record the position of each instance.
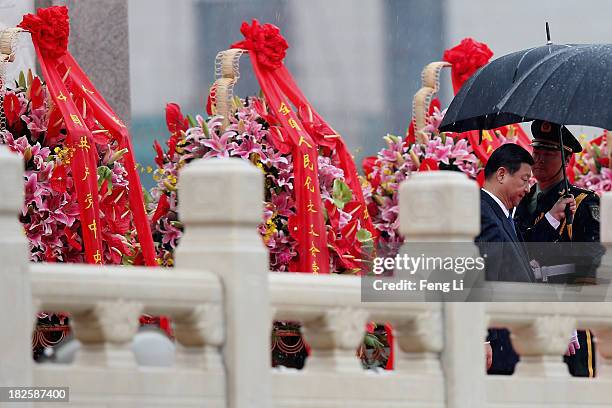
(443, 207)
(15, 294)
(220, 203)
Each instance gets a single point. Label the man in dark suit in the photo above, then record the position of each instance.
(507, 175)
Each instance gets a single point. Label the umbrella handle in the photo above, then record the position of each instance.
(569, 217)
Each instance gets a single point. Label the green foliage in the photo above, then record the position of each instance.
(341, 194)
(105, 173)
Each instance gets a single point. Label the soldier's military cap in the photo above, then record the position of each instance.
(546, 136)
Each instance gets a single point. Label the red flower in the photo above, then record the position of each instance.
(466, 58)
(372, 209)
(49, 256)
(53, 129)
(175, 119)
(11, 108)
(293, 226)
(139, 259)
(368, 164)
(212, 99)
(116, 213)
(49, 28)
(280, 139)
(176, 124)
(429, 165)
(604, 161)
(58, 179)
(36, 95)
(171, 143)
(265, 41)
(162, 209)
(159, 158)
(333, 215)
(71, 237)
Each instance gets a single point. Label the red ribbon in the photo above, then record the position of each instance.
(49, 29)
(324, 135)
(301, 133)
(309, 226)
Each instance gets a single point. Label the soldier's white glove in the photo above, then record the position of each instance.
(574, 344)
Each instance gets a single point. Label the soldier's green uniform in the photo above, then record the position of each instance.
(530, 217)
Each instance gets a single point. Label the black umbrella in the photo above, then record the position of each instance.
(569, 87)
(475, 105)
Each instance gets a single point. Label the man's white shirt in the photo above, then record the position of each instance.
(551, 220)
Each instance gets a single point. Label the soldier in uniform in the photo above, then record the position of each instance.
(536, 224)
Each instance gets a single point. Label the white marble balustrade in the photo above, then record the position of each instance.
(223, 300)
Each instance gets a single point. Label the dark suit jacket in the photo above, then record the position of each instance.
(506, 257)
(507, 260)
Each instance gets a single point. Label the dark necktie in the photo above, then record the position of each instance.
(539, 202)
(511, 221)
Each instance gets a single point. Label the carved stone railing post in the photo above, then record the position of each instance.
(221, 205)
(440, 216)
(541, 344)
(15, 292)
(439, 206)
(334, 338)
(200, 335)
(106, 332)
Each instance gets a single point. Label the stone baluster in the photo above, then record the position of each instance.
(419, 341)
(200, 335)
(334, 338)
(220, 203)
(541, 344)
(106, 332)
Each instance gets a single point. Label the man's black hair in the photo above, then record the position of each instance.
(509, 156)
